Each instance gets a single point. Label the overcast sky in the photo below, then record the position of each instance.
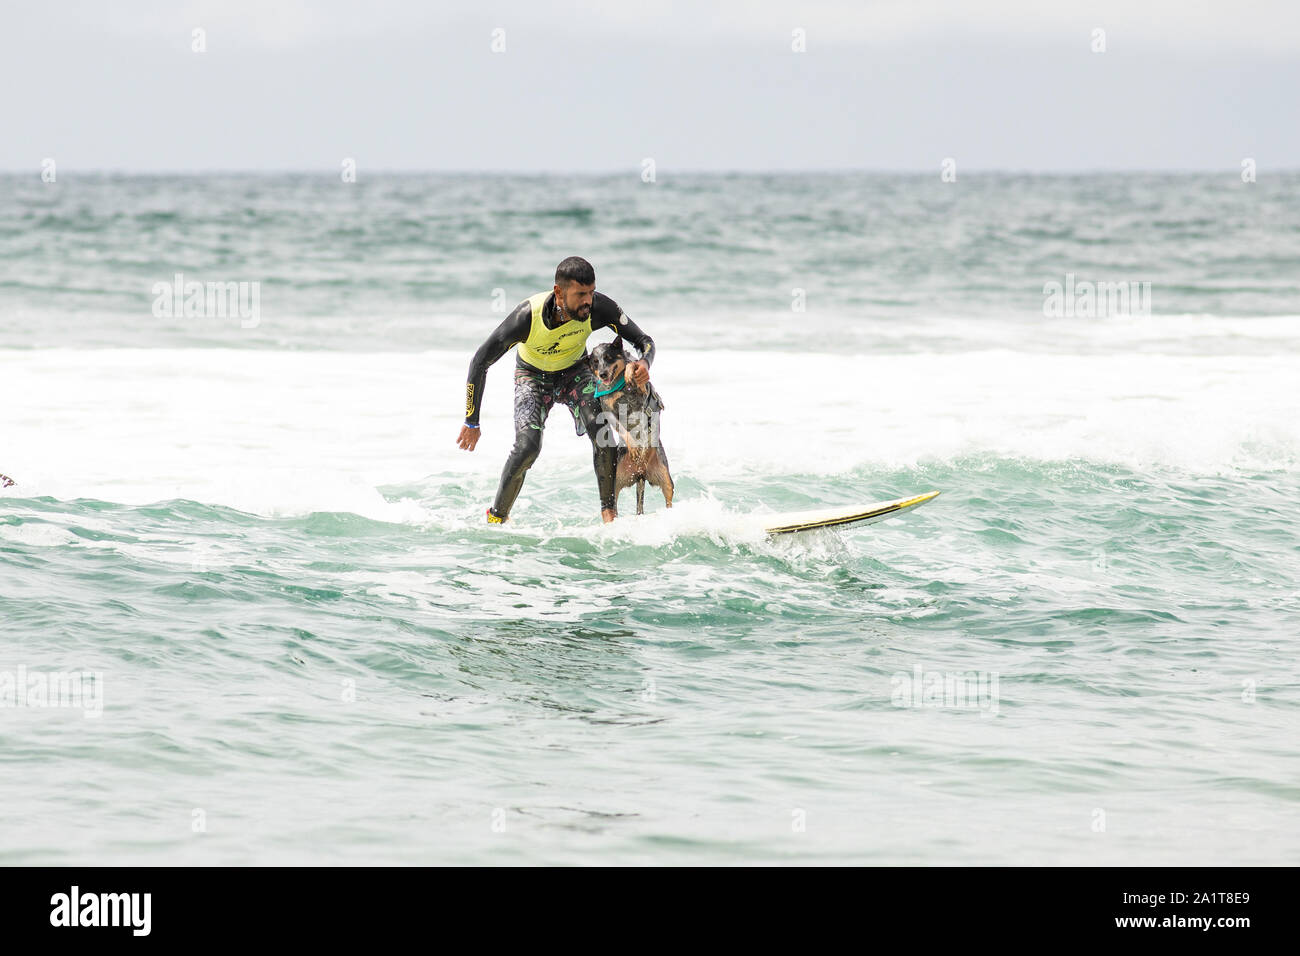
(595, 86)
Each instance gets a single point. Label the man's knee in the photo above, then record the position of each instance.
(528, 445)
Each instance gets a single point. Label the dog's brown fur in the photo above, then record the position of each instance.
(643, 457)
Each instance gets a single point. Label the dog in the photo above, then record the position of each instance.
(633, 413)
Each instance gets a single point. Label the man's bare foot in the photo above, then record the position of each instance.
(608, 514)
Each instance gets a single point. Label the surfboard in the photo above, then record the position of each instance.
(794, 521)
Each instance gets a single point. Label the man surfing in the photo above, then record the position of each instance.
(551, 330)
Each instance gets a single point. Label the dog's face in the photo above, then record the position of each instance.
(607, 362)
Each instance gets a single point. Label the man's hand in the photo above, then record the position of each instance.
(468, 437)
(638, 372)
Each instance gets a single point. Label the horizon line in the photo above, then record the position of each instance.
(635, 171)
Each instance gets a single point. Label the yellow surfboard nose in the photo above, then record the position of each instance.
(794, 521)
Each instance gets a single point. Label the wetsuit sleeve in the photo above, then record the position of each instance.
(605, 314)
(510, 332)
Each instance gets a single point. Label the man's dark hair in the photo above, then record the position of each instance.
(575, 269)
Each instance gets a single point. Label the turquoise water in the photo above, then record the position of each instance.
(309, 648)
(412, 262)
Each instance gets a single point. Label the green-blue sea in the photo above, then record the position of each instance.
(251, 612)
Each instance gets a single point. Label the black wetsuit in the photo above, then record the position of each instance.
(536, 391)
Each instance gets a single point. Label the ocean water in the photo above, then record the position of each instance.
(257, 548)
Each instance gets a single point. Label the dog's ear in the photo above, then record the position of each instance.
(618, 344)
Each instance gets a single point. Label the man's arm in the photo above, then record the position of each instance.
(605, 313)
(510, 332)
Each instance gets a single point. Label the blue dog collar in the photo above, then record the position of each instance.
(616, 387)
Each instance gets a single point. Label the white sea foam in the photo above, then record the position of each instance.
(37, 535)
(296, 432)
